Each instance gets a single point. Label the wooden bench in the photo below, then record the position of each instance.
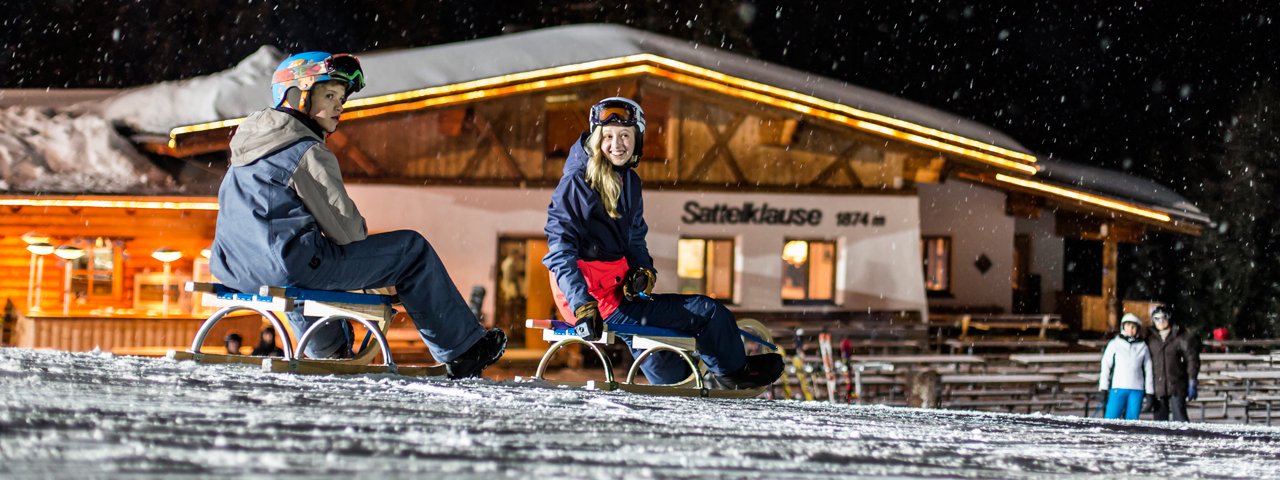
(1227, 345)
(967, 345)
(1040, 323)
(1204, 401)
(980, 392)
(1010, 404)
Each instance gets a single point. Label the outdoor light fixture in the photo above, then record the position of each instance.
(38, 250)
(166, 255)
(796, 252)
(68, 253)
(31, 238)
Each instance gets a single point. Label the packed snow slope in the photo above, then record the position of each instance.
(96, 415)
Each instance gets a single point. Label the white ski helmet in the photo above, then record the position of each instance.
(1130, 318)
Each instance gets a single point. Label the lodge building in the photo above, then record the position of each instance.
(782, 193)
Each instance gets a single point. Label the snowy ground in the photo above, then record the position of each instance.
(95, 415)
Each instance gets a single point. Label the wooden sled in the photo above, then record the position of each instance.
(373, 311)
(650, 340)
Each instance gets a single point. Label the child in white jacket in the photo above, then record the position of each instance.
(1126, 371)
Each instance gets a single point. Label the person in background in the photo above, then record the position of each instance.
(267, 344)
(1221, 334)
(1175, 361)
(1126, 371)
(233, 343)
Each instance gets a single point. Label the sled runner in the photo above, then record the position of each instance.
(650, 340)
(373, 311)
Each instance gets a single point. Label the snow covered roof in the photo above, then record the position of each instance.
(49, 160)
(1119, 185)
(48, 150)
(245, 89)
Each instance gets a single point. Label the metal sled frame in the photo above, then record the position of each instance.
(372, 311)
(650, 340)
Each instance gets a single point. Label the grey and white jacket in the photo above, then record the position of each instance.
(1126, 363)
(283, 185)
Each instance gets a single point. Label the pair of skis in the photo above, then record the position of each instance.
(829, 367)
(797, 368)
(804, 376)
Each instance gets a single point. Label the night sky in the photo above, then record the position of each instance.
(1144, 87)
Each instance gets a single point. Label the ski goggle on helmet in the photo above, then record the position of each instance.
(617, 110)
(304, 70)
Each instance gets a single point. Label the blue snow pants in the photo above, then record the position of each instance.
(712, 325)
(1124, 400)
(402, 259)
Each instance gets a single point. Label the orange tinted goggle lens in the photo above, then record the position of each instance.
(613, 113)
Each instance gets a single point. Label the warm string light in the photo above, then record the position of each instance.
(680, 72)
(97, 203)
(1084, 197)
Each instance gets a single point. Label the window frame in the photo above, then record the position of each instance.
(948, 269)
(706, 266)
(808, 291)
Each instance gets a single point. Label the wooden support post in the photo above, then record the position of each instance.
(1110, 261)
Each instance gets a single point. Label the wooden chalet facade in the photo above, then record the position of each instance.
(467, 150)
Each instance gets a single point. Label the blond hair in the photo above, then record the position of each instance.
(600, 174)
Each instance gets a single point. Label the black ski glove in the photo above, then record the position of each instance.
(589, 326)
(638, 284)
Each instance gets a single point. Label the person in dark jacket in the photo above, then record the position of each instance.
(267, 344)
(601, 271)
(285, 219)
(1175, 360)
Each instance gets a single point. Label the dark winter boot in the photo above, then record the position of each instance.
(760, 370)
(486, 351)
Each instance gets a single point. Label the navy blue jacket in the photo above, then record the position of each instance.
(579, 228)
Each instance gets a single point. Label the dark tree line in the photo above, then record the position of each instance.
(1230, 276)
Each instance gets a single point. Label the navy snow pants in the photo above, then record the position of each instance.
(402, 259)
(711, 324)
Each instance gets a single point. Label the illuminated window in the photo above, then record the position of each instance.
(96, 277)
(705, 266)
(808, 272)
(936, 253)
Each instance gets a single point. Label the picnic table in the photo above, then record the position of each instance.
(1249, 376)
(1233, 357)
(955, 398)
(1246, 343)
(1041, 358)
(1266, 400)
(1094, 343)
(968, 345)
(1038, 359)
(916, 359)
(1042, 323)
(998, 379)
